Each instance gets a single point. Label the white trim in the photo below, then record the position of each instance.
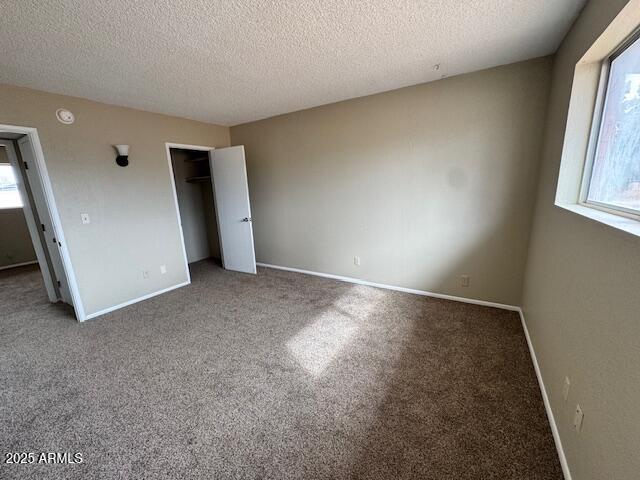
(32, 133)
(42, 171)
(594, 132)
(135, 300)
(168, 147)
(547, 405)
(424, 293)
(612, 209)
(16, 265)
(615, 220)
(184, 146)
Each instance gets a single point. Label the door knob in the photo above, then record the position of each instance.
(246, 219)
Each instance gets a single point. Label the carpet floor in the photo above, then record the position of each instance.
(278, 375)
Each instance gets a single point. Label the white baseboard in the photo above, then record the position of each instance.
(135, 300)
(16, 265)
(424, 293)
(547, 405)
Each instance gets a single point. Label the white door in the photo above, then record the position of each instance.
(231, 195)
(51, 241)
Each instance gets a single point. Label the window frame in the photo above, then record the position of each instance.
(594, 135)
(18, 207)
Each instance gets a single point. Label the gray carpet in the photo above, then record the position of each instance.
(278, 375)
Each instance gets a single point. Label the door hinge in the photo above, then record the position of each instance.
(26, 165)
(59, 284)
(42, 225)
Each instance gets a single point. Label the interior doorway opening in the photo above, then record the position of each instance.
(16, 248)
(33, 233)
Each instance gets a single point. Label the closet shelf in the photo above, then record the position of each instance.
(203, 178)
(199, 159)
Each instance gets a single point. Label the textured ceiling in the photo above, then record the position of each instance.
(234, 61)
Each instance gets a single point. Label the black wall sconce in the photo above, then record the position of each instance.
(123, 155)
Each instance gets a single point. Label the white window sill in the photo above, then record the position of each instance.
(625, 224)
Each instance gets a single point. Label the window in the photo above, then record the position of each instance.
(9, 194)
(614, 178)
(599, 176)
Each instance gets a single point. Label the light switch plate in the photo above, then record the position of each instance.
(85, 218)
(163, 269)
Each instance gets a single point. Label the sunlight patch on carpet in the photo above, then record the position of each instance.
(315, 346)
(320, 343)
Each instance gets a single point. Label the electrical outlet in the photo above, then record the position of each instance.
(145, 274)
(85, 218)
(464, 280)
(565, 388)
(577, 419)
(163, 269)
(356, 261)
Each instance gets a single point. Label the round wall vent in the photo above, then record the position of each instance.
(65, 116)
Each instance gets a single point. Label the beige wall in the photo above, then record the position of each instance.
(134, 224)
(582, 299)
(15, 241)
(424, 184)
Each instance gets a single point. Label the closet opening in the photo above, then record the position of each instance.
(194, 191)
(212, 204)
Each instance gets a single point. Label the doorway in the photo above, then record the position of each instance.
(212, 203)
(26, 188)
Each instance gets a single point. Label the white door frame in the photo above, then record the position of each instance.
(41, 170)
(168, 147)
